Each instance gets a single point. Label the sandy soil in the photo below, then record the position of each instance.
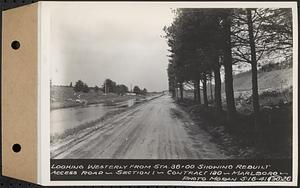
(157, 129)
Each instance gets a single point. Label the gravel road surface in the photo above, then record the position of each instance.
(157, 129)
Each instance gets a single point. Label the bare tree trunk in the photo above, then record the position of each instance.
(218, 97)
(255, 98)
(211, 91)
(181, 91)
(204, 82)
(198, 91)
(255, 88)
(195, 91)
(174, 93)
(228, 70)
(253, 65)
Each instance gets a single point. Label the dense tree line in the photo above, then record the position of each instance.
(137, 90)
(80, 86)
(108, 86)
(202, 41)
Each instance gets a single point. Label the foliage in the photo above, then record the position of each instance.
(196, 40)
(203, 40)
(96, 89)
(109, 86)
(121, 89)
(272, 29)
(136, 90)
(80, 86)
(144, 91)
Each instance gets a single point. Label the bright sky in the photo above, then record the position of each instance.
(120, 41)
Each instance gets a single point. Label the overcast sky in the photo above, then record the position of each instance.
(95, 41)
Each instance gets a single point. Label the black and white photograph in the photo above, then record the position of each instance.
(131, 81)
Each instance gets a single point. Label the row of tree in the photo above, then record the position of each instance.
(111, 86)
(201, 41)
(108, 86)
(80, 86)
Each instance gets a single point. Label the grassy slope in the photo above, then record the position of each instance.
(266, 80)
(238, 139)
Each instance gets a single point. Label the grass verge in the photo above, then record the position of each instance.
(238, 139)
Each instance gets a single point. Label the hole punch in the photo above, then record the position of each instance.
(16, 148)
(15, 45)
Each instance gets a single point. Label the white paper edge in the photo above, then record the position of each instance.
(44, 126)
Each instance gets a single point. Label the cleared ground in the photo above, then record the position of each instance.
(157, 129)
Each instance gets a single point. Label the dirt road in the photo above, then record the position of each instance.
(157, 129)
